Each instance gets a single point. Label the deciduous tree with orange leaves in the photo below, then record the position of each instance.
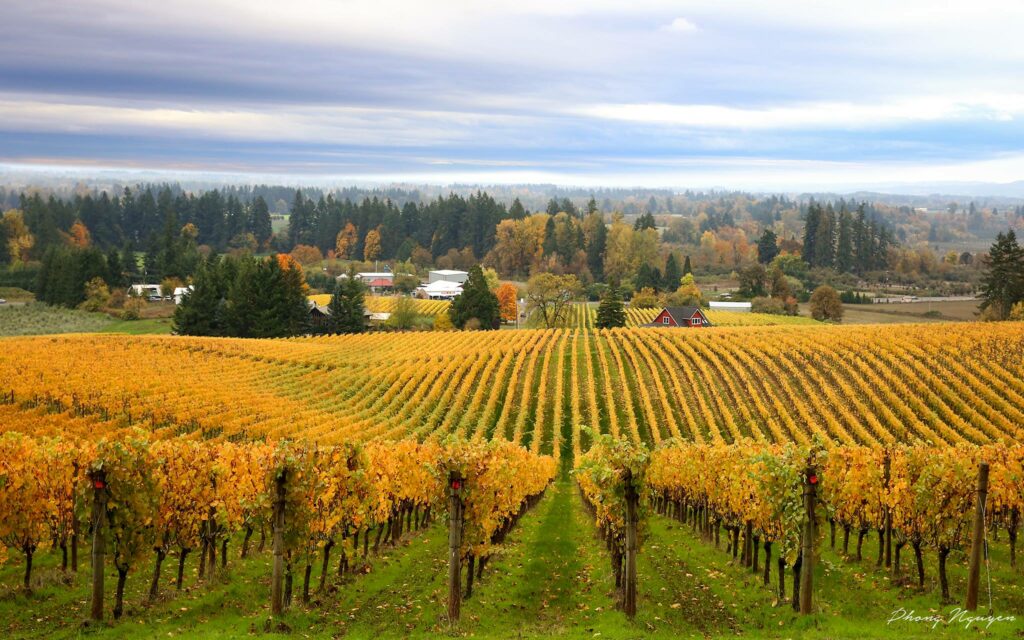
(79, 236)
(507, 302)
(345, 241)
(22, 494)
(371, 247)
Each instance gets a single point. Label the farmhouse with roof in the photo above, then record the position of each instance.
(680, 317)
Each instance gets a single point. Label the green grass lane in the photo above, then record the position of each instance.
(851, 599)
(547, 580)
(404, 593)
(140, 327)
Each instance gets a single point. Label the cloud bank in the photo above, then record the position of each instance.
(599, 92)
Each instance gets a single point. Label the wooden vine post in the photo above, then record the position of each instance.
(456, 484)
(99, 524)
(887, 471)
(632, 503)
(276, 590)
(807, 542)
(978, 539)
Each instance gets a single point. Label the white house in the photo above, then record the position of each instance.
(447, 275)
(144, 290)
(374, 279)
(441, 290)
(731, 306)
(179, 293)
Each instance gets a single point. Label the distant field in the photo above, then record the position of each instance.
(586, 316)
(386, 304)
(37, 318)
(899, 312)
(14, 294)
(40, 319)
(144, 326)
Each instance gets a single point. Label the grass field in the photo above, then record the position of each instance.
(40, 319)
(552, 579)
(956, 310)
(145, 326)
(14, 294)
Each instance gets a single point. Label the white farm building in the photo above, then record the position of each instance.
(730, 306)
(447, 275)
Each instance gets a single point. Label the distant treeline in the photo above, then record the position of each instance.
(844, 240)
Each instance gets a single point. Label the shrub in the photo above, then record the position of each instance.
(97, 295)
(763, 304)
(646, 298)
(826, 305)
(442, 322)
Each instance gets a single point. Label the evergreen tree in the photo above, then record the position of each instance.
(767, 247)
(516, 211)
(646, 278)
(673, 275)
(550, 242)
(259, 221)
(264, 300)
(129, 262)
(844, 242)
(610, 312)
(824, 240)
(5, 254)
(597, 241)
(645, 221)
(811, 224)
(553, 206)
(242, 297)
(475, 302)
(291, 309)
(975, 221)
(64, 272)
(115, 270)
(686, 266)
(591, 206)
(201, 311)
(862, 253)
(1002, 285)
(301, 221)
(347, 306)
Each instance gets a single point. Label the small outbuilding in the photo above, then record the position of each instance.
(375, 280)
(742, 307)
(447, 275)
(680, 317)
(319, 315)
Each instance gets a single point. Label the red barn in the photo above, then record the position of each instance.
(680, 317)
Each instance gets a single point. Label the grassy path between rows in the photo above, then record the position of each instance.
(550, 579)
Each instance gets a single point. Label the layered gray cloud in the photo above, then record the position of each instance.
(648, 92)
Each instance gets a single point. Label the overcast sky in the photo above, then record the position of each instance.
(777, 95)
